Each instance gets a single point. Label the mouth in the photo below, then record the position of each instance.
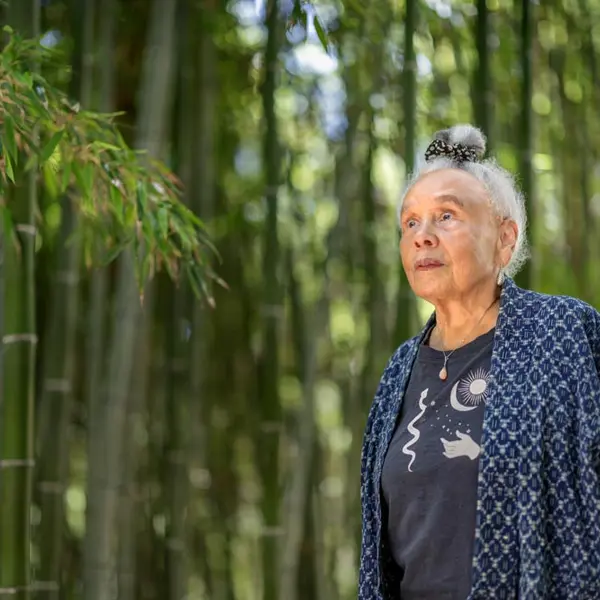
(428, 264)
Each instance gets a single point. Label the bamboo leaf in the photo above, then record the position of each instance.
(8, 167)
(198, 284)
(66, 176)
(141, 200)
(321, 33)
(50, 180)
(162, 223)
(84, 177)
(9, 142)
(106, 146)
(124, 194)
(49, 148)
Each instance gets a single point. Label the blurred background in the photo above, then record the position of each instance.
(189, 451)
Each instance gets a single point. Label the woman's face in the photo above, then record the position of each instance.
(452, 241)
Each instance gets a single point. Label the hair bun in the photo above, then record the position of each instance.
(467, 136)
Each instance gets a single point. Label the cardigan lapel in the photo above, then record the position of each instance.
(395, 405)
(496, 541)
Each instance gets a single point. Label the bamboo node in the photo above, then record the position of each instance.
(45, 586)
(272, 310)
(176, 544)
(28, 229)
(57, 385)
(36, 586)
(67, 277)
(178, 365)
(10, 463)
(51, 487)
(271, 531)
(271, 427)
(177, 457)
(13, 338)
(271, 190)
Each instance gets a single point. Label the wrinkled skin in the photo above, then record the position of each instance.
(447, 216)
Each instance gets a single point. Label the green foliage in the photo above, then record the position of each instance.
(300, 13)
(122, 196)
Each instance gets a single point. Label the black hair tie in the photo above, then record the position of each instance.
(456, 152)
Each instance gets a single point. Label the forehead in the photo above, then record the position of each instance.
(444, 186)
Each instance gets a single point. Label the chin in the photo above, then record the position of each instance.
(429, 286)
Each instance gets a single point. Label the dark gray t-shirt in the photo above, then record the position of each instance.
(430, 472)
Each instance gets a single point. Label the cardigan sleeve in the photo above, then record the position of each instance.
(369, 575)
(592, 328)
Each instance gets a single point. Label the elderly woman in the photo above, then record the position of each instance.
(481, 457)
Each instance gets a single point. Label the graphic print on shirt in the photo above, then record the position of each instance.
(466, 395)
(414, 431)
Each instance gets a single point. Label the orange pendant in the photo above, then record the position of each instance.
(443, 374)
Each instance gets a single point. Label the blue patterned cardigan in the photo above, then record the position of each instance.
(538, 506)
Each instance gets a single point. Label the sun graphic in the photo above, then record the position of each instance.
(474, 388)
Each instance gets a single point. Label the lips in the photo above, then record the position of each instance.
(426, 264)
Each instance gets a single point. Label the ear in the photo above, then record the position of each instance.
(507, 240)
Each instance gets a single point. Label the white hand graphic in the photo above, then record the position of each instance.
(464, 446)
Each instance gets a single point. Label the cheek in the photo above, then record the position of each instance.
(470, 253)
(404, 247)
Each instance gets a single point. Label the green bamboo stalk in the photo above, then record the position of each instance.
(99, 284)
(483, 100)
(405, 311)
(178, 395)
(105, 465)
(305, 325)
(19, 341)
(18, 346)
(270, 407)
(59, 350)
(96, 320)
(177, 406)
(127, 570)
(525, 277)
(202, 201)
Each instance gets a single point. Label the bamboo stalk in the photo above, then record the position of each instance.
(525, 278)
(269, 436)
(179, 396)
(483, 100)
(59, 351)
(95, 347)
(18, 347)
(129, 500)
(405, 310)
(202, 201)
(105, 469)
(299, 495)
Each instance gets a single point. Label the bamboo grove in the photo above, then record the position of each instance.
(200, 282)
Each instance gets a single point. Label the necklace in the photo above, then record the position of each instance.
(444, 370)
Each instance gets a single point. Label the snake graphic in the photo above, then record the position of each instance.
(415, 432)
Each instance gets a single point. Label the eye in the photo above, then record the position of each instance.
(446, 216)
(410, 223)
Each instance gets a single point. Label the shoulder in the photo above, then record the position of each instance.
(559, 308)
(392, 379)
(564, 318)
(401, 356)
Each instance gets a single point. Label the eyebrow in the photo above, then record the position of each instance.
(444, 199)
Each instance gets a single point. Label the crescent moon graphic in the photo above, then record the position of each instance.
(456, 405)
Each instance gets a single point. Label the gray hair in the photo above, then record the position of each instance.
(507, 201)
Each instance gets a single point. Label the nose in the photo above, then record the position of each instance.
(425, 237)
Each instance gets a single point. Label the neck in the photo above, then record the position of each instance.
(461, 319)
